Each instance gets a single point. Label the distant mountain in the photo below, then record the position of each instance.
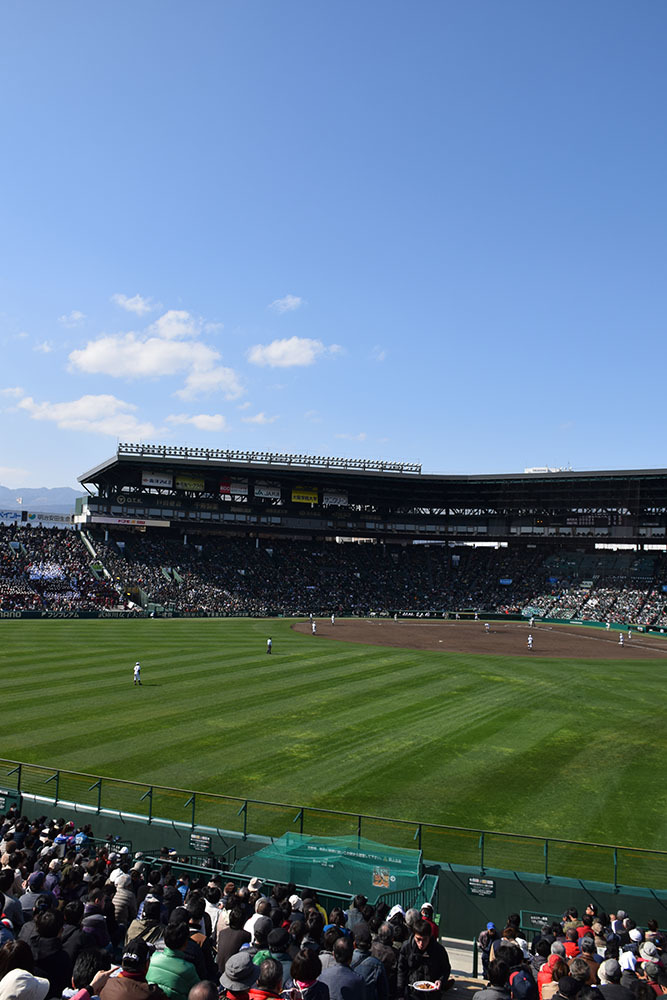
(59, 500)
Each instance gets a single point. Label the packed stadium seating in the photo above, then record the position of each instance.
(47, 568)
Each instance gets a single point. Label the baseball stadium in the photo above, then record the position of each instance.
(355, 659)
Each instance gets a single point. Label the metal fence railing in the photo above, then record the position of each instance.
(484, 849)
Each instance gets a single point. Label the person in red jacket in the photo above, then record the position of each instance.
(270, 981)
(571, 943)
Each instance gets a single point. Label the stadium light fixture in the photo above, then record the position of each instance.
(265, 457)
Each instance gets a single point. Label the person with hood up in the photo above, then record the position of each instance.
(554, 969)
(124, 900)
(51, 960)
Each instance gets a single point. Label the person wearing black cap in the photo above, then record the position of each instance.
(35, 890)
(278, 942)
(367, 966)
(130, 983)
(259, 949)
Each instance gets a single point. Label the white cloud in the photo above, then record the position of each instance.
(378, 353)
(313, 416)
(203, 380)
(169, 346)
(290, 352)
(44, 348)
(74, 318)
(128, 355)
(202, 421)
(361, 436)
(136, 304)
(20, 336)
(12, 392)
(244, 406)
(259, 418)
(176, 324)
(97, 414)
(287, 304)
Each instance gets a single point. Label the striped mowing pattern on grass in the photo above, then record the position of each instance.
(549, 748)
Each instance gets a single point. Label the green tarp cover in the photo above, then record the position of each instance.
(341, 864)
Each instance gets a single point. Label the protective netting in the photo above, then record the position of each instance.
(344, 864)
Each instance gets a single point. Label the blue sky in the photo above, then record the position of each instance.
(427, 231)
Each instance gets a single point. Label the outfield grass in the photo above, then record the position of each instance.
(566, 749)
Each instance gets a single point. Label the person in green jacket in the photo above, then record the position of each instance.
(170, 969)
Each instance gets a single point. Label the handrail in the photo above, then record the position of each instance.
(492, 850)
(340, 812)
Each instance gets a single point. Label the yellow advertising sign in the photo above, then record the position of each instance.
(304, 496)
(188, 483)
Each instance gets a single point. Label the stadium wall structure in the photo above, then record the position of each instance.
(491, 616)
(481, 873)
(467, 896)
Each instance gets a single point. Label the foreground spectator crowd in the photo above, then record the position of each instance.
(52, 569)
(596, 957)
(83, 919)
(80, 919)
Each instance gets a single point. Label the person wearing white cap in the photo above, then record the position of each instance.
(137, 674)
(20, 985)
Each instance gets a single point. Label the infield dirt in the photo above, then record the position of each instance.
(503, 638)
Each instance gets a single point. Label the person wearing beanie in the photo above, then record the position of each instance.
(278, 943)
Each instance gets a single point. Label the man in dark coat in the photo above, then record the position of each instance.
(421, 957)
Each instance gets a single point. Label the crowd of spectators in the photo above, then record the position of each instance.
(599, 956)
(82, 918)
(48, 568)
(55, 570)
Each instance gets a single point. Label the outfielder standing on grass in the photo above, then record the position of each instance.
(137, 674)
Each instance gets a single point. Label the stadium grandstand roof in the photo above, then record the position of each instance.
(385, 486)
